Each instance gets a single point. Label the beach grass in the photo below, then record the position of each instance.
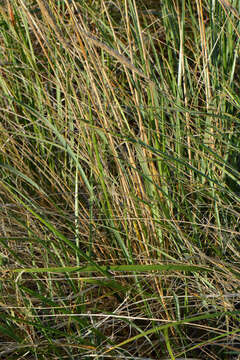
(119, 179)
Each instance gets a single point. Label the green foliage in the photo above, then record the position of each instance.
(119, 179)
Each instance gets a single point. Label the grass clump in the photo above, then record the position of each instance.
(119, 179)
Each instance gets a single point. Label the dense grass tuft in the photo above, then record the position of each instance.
(119, 179)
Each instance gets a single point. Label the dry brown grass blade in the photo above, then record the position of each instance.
(226, 4)
(206, 72)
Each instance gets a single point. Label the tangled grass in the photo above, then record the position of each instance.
(119, 187)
